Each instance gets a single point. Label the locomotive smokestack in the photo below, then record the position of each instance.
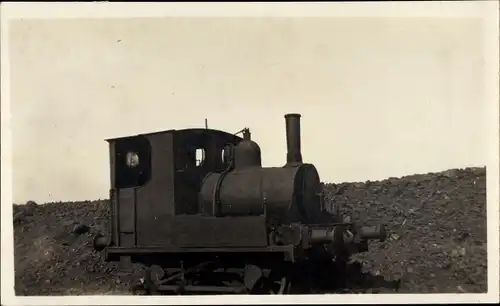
(294, 155)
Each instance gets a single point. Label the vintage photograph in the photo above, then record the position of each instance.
(250, 155)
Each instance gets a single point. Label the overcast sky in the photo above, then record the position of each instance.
(378, 97)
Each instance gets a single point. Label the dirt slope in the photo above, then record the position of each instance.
(437, 244)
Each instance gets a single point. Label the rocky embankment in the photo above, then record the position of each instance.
(437, 241)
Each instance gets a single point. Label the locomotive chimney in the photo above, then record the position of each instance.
(294, 155)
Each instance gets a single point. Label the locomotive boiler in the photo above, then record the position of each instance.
(224, 223)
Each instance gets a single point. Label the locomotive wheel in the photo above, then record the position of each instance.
(151, 276)
(284, 286)
(273, 284)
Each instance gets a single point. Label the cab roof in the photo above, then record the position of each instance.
(212, 131)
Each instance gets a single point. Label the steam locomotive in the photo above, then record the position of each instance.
(224, 224)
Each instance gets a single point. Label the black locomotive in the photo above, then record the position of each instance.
(224, 224)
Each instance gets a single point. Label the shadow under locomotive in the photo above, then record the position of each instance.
(225, 224)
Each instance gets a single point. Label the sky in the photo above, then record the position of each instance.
(379, 97)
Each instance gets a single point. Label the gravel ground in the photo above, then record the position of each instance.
(437, 243)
